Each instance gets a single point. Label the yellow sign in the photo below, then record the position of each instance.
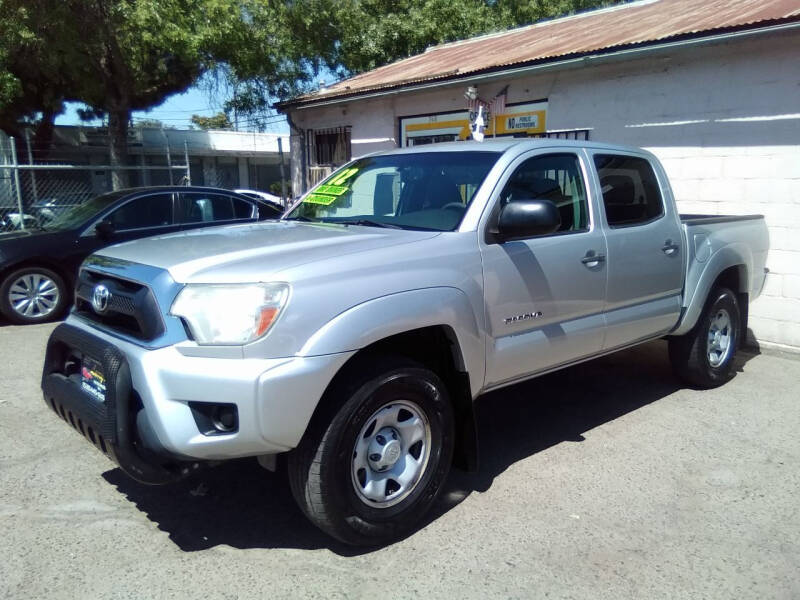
(528, 118)
(523, 122)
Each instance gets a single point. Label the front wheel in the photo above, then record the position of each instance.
(370, 473)
(33, 295)
(704, 357)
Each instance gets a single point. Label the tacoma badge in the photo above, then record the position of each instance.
(522, 317)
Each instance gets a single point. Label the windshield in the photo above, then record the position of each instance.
(426, 190)
(78, 215)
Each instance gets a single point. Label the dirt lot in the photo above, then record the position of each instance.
(607, 480)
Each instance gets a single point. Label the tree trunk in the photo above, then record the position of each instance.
(118, 145)
(43, 134)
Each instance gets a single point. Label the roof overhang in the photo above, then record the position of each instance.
(567, 61)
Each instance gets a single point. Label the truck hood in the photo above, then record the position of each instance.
(255, 252)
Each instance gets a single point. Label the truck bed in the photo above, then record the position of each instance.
(687, 219)
(714, 243)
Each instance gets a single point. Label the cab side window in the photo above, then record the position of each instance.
(631, 194)
(553, 177)
(148, 211)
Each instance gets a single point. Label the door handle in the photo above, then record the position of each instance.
(592, 260)
(669, 248)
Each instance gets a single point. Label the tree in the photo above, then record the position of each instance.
(38, 96)
(115, 56)
(150, 124)
(217, 121)
(118, 56)
(351, 36)
(347, 37)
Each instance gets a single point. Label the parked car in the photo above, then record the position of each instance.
(39, 265)
(11, 221)
(48, 208)
(263, 196)
(355, 334)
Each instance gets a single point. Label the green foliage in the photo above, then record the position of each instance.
(117, 56)
(218, 121)
(150, 124)
(351, 36)
(275, 188)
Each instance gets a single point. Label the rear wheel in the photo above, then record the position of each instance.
(369, 472)
(32, 295)
(704, 357)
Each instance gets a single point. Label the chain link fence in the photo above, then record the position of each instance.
(33, 195)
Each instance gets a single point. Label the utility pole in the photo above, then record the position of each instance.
(30, 162)
(16, 181)
(284, 199)
(186, 158)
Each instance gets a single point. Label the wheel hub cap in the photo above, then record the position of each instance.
(384, 449)
(720, 337)
(33, 295)
(390, 454)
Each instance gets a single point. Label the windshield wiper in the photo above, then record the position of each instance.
(367, 222)
(302, 218)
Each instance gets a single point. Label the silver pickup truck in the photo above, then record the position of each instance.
(354, 334)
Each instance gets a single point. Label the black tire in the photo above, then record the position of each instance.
(37, 315)
(321, 469)
(690, 354)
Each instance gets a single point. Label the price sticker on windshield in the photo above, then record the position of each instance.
(332, 190)
(320, 199)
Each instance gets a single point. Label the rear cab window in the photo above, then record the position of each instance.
(631, 194)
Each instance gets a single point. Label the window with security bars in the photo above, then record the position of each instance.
(564, 134)
(330, 147)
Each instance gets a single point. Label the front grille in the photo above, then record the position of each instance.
(131, 307)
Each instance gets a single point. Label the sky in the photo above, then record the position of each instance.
(176, 111)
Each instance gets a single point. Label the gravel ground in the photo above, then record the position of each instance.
(606, 480)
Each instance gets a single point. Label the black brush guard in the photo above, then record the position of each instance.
(109, 425)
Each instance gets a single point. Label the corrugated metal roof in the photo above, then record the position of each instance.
(593, 32)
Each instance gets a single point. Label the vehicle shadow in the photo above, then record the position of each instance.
(243, 506)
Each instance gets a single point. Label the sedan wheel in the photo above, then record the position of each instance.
(32, 295)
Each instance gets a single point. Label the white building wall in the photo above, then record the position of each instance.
(724, 119)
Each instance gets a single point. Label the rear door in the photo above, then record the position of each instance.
(545, 295)
(645, 263)
(202, 209)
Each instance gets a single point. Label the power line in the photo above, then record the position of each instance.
(270, 118)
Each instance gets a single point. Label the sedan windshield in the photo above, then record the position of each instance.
(426, 190)
(79, 214)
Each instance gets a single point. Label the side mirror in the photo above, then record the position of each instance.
(523, 219)
(104, 230)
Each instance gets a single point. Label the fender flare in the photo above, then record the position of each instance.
(379, 318)
(732, 255)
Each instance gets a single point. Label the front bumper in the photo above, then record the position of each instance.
(146, 423)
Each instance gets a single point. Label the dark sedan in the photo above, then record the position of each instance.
(38, 266)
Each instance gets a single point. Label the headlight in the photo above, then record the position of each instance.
(230, 313)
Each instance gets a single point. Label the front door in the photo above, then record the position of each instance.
(141, 217)
(545, 295)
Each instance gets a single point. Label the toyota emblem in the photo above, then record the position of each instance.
(100, 298)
